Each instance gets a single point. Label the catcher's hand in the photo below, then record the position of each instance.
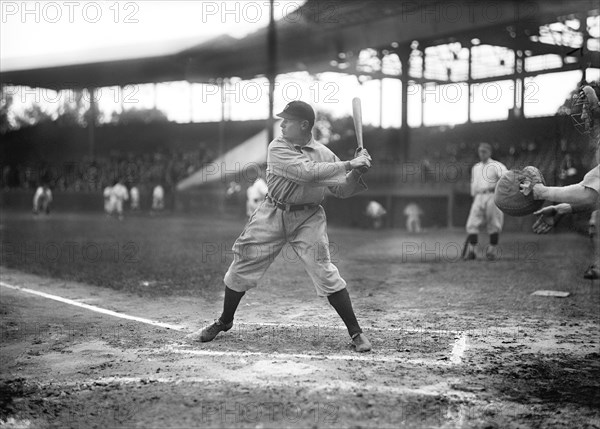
(533, 177)
(363, 152)
(549, 217)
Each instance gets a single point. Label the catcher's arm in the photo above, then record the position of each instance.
(573, 194)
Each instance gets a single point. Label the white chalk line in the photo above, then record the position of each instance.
(366, 357)
(439, 389)
(457, 353)
(93, 307)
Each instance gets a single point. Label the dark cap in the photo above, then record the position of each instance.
(298, 110)
(486, 146)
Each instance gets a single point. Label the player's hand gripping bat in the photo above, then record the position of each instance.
(357, 116)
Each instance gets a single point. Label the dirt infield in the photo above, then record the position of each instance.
(455, 344)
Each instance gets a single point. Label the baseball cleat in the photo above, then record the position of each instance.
(210, 332)
(361, 343)
(470, 253)
(491, 253)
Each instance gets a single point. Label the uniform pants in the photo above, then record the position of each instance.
(267, 231)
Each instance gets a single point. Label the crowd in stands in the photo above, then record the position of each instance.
(144, 170)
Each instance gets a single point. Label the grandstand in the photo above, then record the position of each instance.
(428, 164)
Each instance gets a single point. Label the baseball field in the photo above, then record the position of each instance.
(95, 313)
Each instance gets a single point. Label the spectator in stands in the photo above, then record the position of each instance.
(568, 171)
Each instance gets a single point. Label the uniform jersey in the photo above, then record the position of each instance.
(592, 179)
(119, 193)
(484, 176)
(257, 191)
(300, 175)
(294, 176)
(374, 209)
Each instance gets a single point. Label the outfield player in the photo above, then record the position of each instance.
(107, 200)
(134, 194)
(42, 199)
(255, 194)
(375, 213)
(118, 195)
(413, 215)
(484, 211)
(298, 172)
(580, 196)
(158, 198)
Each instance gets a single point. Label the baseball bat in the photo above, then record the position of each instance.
(357, 116)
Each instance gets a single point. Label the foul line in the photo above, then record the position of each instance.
(458, 349)
(93, 307)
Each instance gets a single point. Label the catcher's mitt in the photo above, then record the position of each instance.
(511, 199)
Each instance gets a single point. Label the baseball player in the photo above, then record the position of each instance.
(584, 195)
(107, 200)
(484, 176)
(158, 198)
(375, 212)
(299, 170)
(413, 215)
(42, 199)
(134, 194)
(118, 194)
(255, 194)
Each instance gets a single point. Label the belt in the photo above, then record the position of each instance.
(487, 191)
(290, 207)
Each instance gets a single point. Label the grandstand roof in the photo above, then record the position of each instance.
(315, 34)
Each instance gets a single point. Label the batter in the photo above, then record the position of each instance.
(299, 170)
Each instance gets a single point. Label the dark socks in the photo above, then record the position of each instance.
(494, 238)
(230, 304)
(340, 300)
(472, 239)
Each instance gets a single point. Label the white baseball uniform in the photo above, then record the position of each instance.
(483, 210)
(134, 193)
(413, 217)
(42, 199)
(107, 200)
(118, 194)
(158, 198)
(255, 194)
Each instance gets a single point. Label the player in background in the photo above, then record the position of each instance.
(158, 198)
(582, 196)
(299, 170)
(484, 176)
(375, 213)
(107, 200)
(413, 215)
(134, 194)
(42, 199)
(118, 195)
(255, 194)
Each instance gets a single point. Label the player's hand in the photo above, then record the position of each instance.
(361, 161)
(362, 151)
(549, 216)
(535, 189)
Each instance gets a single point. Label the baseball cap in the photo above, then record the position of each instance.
(298, 110)
(485, 146)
